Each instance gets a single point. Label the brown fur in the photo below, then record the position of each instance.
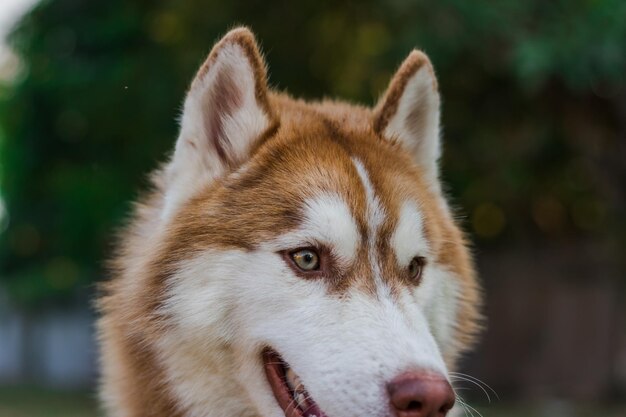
(389, 104)
(307, 149)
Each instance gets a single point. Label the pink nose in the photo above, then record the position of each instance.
(420, 394)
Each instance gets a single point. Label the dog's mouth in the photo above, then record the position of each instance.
(287, 387)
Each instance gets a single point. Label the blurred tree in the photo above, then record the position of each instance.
(534, 110)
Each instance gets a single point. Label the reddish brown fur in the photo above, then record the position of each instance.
(389, 104)
(307, 149)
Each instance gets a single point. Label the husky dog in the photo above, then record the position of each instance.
(294, 259)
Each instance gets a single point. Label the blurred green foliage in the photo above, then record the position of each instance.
(534, 111)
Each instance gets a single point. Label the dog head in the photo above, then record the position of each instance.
(312, 263)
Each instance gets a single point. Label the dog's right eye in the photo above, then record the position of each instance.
(415, 269)
(306, 259)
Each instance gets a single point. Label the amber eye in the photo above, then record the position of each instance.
(306, 259)
(415, 269)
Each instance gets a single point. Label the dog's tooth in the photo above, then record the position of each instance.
(289, 378)
(292, 379)
(301, 400)
(299, 393)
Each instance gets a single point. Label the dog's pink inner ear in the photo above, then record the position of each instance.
(227, 110)
(409, 112)
(225, 99)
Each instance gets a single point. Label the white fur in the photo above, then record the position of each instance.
(408, 239)
(197, 353)
(416, 121)
(224, 306)
(328, 221)
(195, 161)
(437, 293)
(375, 218)
(345, 349)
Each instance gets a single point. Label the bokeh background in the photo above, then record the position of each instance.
(534, 116)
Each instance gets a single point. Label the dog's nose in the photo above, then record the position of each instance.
(420, 394)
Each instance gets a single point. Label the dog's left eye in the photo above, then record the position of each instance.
(306, 259)
(415, 269)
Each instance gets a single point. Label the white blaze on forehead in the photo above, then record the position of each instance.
(408, 239)
(375, 218)
(329, 221)
(375, 213)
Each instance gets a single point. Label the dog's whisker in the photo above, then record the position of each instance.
(464, 406)
(472, 408)
(477, 380)
(294, 400)
(480, 381)
(458, 378)
(168, 284)
(469, 408)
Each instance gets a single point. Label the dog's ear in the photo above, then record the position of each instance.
(225, 112)
(409, 112)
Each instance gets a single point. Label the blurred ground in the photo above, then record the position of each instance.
(37, 402)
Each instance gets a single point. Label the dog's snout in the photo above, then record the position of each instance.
(420, 394)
